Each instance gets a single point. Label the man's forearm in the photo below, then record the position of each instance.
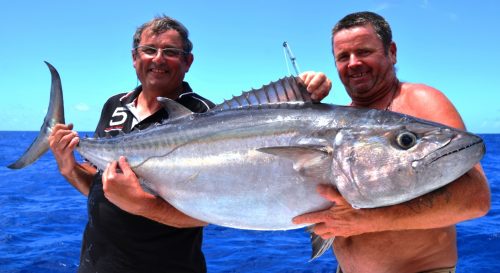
(80, 176)
(162, 212)
(466, 198)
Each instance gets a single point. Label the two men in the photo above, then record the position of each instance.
(130, 230)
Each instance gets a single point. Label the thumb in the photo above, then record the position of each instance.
(331, 193)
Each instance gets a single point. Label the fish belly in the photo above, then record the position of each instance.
(230, 183)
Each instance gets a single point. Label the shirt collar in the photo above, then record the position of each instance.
(129, 100)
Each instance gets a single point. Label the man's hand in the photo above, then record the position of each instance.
(339, 220)
(122, 188)
(317, 84)
(62, 142)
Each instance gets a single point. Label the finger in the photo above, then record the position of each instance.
(124, 166)
(56, 135)
(309, 218)
(326, 86)
(74, 142)
(68, 137)
(318, 86)
(315, 81)
(105, 173)
(330, 193)
(322, 229)
(327, 235)
(110, 170)
(60, 133)
(306, 77)
(64, 144)
(61, 127)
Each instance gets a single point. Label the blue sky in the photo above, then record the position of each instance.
(451, 45)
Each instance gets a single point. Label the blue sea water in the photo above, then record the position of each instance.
(42, 218)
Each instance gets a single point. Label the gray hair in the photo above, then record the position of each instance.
(161, 24)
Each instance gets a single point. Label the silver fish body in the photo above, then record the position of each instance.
(254, 162)
(258, 168)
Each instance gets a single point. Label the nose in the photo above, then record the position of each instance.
(353, 61)
(159, 57)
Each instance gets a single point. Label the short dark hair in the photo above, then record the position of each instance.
(161, 24)
(379, 24)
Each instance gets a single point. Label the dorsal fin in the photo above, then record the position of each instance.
(285, 90)
(174, 109)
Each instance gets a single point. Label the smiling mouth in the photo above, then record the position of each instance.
(358, 75)
(156, 70)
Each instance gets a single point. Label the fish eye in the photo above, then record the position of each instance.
(406, 140)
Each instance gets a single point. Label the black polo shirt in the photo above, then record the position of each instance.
(117, 241)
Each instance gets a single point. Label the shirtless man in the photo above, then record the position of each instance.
(416, 236)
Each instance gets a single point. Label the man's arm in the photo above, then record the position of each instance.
(461, 200)
(122, 188)
(466, 198)
(62, 142)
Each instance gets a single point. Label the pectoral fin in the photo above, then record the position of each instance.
(308, 160)
(318, 244)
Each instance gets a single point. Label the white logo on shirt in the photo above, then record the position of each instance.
(119, 116)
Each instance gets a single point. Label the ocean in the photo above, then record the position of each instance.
(42, 218)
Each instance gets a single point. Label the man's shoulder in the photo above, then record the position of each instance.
(120, 97)
(429, 103)
(422, 95)
(416, 90)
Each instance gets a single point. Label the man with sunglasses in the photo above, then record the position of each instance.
(130, 230)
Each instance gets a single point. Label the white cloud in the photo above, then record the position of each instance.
(489, 125)
(82, 107)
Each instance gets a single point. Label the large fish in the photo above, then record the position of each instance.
(253, 162)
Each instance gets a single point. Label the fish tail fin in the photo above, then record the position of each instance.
(55, 115)
(319, 245)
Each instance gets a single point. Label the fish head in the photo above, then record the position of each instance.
(400, 158)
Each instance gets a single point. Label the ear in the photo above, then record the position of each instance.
(189, 60)
(134, 56)
(393, 53)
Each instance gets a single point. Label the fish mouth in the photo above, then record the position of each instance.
(442, 152)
